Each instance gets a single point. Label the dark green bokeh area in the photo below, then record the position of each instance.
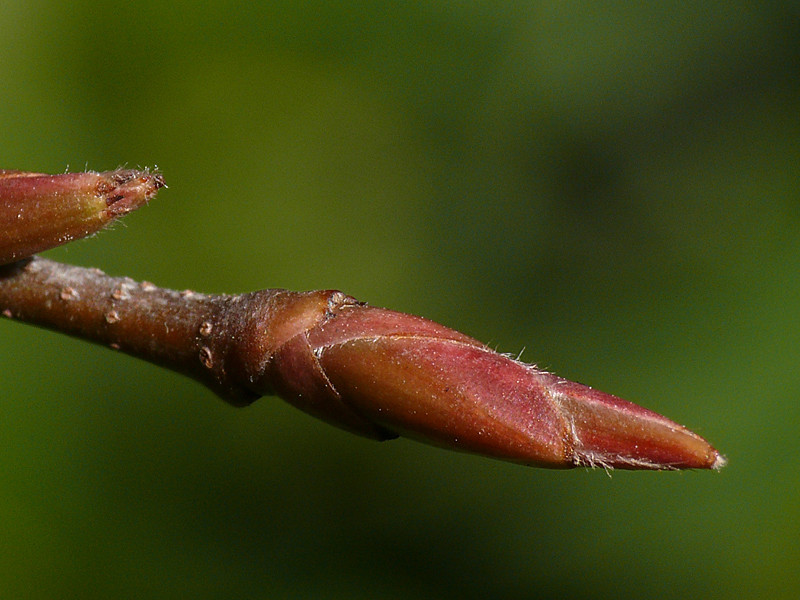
(612, 188)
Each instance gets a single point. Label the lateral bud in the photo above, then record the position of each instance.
(39, 211)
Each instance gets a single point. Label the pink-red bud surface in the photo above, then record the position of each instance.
(382, 374)
(40, 211)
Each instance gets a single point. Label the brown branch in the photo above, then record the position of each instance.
(371, 371)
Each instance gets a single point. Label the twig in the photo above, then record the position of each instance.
(371, 371)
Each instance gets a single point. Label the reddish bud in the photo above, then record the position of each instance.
(40, 211)
(382, 373)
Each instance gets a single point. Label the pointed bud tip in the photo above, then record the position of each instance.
(607, 431)
(719, 461)
(125, 190)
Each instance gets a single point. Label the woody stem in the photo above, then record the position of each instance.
(184, 331)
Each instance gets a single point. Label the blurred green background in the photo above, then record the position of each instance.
(612, 187)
